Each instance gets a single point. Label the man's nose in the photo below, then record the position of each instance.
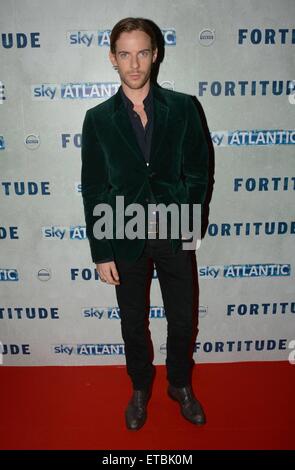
(134, 62)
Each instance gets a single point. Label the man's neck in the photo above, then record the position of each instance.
(137, 96)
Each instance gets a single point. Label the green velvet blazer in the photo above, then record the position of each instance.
(113, 164)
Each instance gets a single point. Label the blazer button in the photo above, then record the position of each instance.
(147, 199)
(152, 174)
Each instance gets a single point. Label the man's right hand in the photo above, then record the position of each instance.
(108, 272)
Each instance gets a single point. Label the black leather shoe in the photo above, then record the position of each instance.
(191, 408)
(136, 414)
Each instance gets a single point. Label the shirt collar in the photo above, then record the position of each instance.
(147, 101)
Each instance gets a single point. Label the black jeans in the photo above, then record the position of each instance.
(177, 283)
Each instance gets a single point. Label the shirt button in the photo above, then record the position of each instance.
(146, 199)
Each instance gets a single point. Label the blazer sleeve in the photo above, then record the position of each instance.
(94, 182)
(195, 160)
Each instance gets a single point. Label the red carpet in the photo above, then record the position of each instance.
(248, 406)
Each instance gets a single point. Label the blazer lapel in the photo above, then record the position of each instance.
(123, 125)
(161, 112)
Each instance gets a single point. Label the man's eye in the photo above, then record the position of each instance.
(123, 55)
(144, 53)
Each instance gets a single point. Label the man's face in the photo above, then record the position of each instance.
(134, 58)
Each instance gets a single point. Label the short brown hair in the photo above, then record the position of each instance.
(132, 24)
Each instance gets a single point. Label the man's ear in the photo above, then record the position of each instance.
(155, 54)
(112, 58)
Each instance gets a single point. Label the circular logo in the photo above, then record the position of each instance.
(32, 141)
(44, 274)
(168, 85)
(207, 37)
(203, 310)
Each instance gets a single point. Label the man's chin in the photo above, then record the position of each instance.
(136, 84)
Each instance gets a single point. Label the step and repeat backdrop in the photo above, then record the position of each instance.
(237, 58)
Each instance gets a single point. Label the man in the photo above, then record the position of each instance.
(146, 144)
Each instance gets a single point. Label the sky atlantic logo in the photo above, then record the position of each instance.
(9, 274)
(73, 91)
(244, 271)
(113, 313)
(2, 142)
(257, 137)
(109, 313)
(101, 38)
(232, 271)
(79, 90)
(100, 349)
(59, 232)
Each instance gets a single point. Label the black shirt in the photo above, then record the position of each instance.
(143, 134)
